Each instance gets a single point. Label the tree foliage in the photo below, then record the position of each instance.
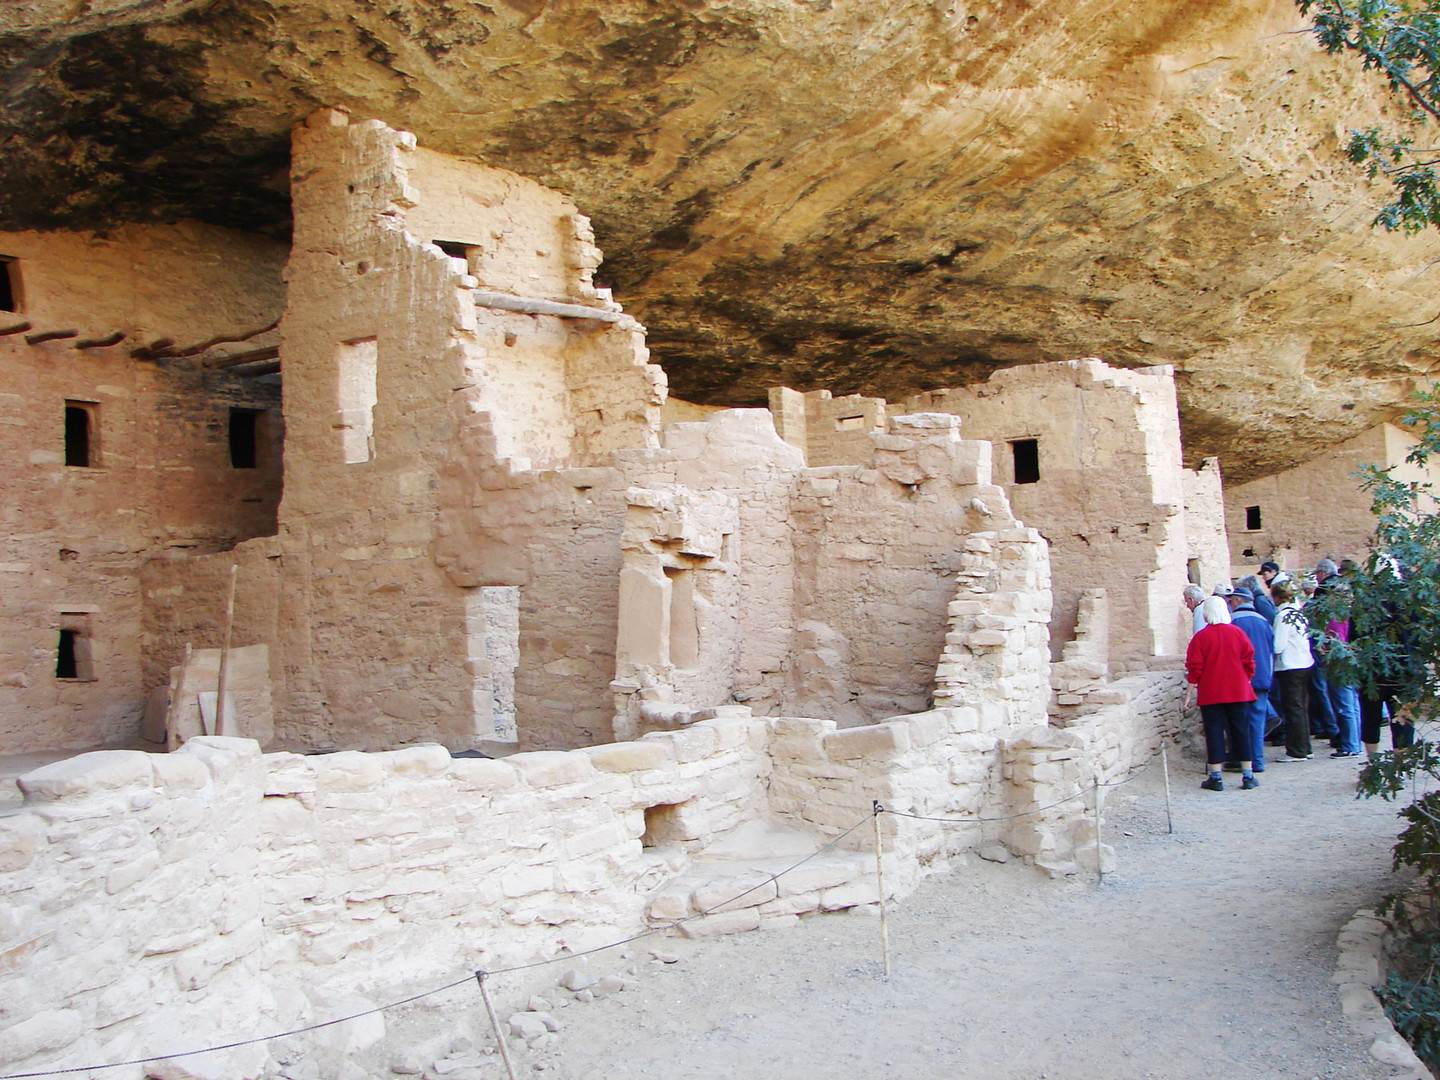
(1393, 601)
(1400, 40)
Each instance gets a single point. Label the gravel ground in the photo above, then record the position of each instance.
(1207, 952)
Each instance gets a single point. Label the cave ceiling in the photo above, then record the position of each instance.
(862, 196)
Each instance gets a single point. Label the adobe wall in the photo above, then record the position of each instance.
(1110, 494)
(1206, 528)
(820, 592)
(160, 481)
(1317, 510)
(417, 385)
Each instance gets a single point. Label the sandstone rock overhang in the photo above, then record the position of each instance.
(874, 198)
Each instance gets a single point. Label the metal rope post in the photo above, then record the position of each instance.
(1099, 863)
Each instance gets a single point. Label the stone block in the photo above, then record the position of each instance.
(417, 761)
(670, 904)
(850, 894)
(627, 757)
(349, 770)
(179, 772)
(19, 838)
(88, 774)
(45, 1031)
(875, 740)
(734, 893)
(726, 922)
(928, 728)
(552, 768)
(483, 774)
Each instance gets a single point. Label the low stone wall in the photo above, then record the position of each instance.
(153, 903)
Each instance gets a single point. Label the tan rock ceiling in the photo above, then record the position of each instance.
(865, 196)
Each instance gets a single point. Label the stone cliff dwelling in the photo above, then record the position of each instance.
(462, 523)
(1318, 509)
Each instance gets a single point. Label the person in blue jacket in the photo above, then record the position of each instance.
(1262, 636)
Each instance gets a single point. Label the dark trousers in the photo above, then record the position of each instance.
(1322, 717)
(1230, 719)
(1371, 717)
(1295, 703)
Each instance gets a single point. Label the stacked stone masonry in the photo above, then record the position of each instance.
(758, 623)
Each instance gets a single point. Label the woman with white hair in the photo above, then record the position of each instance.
(1220, 663)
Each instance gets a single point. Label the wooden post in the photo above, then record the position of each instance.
(221, 727)
(495, 1023)
(1165, 765)
(880, 886)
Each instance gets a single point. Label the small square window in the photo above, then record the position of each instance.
(82, 445)
(1026, 457)
(1252, 518)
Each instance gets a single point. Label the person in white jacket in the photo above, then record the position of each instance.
(1293, 661)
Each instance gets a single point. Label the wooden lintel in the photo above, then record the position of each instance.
(254, 356)
(101, 342)
(263, 367)
(17, 328)
(50, 335)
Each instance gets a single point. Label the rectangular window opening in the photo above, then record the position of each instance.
(72, 653)
(80, 442)
(1252, 518)
(1192, 571)
(244, 437)
(357, 394)
(1026, 457)
(9, 284)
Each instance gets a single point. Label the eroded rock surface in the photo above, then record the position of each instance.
(870, 197)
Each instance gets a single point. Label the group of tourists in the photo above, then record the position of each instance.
(1256, 668)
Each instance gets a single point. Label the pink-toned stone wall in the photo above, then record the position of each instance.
(1109, 498)
(160, 485)
(1317, 510)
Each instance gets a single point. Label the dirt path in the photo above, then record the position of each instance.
(1207, 953)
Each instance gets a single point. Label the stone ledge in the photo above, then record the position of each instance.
(1358, 970)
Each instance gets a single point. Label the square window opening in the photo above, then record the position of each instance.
(1252, 518)
(245, 438)
(81, 444)
(664, 825)
(1025, 456)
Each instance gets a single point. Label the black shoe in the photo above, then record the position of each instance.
(1213, 783)
(1232, 766)
(1248, 783)
(1346, 753)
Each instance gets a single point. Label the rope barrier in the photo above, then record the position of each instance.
(480, 976)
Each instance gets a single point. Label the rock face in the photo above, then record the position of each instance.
(877, 198)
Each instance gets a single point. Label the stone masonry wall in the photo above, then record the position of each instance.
(419, 384)
(1109, 497)
(160, 482)
(1317, 510)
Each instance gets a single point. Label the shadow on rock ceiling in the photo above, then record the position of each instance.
(869, 197)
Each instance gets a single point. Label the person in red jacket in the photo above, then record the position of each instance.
(1220, 663)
